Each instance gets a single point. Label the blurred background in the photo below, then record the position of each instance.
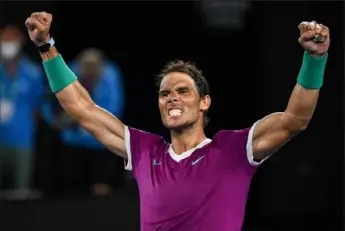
(55, 176)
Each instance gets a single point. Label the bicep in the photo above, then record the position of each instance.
(269, 134)
(108, 129)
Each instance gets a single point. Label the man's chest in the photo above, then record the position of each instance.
(191, 179)
(174, 189)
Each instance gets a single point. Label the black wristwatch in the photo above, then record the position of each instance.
(45, 47)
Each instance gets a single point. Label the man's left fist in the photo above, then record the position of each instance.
(314, 38)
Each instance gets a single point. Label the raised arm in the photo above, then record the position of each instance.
(276, 129)
(72, 96)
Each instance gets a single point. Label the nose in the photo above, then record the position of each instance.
(172, 98)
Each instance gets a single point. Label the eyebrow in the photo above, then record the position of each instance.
(162, 91)
(183, 88)
(178, 89)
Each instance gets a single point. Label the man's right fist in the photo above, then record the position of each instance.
(38, 25)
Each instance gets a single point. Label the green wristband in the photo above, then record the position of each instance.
(58, 73)
(312, 71)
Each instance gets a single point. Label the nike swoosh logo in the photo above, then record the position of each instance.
(155, 162)
(196, 161)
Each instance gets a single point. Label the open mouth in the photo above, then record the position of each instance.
(174, 112)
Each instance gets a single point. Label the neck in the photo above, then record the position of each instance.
(187, 139)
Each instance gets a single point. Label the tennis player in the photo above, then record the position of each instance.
(194, 183)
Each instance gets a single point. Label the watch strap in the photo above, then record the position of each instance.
(45, 47)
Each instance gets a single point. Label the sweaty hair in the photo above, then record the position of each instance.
(190, 69)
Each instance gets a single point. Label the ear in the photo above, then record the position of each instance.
(205, 103)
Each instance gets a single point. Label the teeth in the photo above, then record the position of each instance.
(175, 112)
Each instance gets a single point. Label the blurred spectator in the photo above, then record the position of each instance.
(21, 89)
(85, 161)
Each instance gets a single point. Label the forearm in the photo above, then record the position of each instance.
(75, 100)
(304, 97)
(301, 107)
(276, 129)
(73, 97)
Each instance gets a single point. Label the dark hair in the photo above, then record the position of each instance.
(190, 69)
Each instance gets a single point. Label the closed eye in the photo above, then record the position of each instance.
(183, 90)
(163, 93)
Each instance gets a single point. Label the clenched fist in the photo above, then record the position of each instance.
(38, 25)
(314, 38)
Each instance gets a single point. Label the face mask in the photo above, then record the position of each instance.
(9, 50)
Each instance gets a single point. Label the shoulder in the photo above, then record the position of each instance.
(237, 144)
(142, 134)
(234, 141)
(232, 135)
(141, 146)
(142, 138)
